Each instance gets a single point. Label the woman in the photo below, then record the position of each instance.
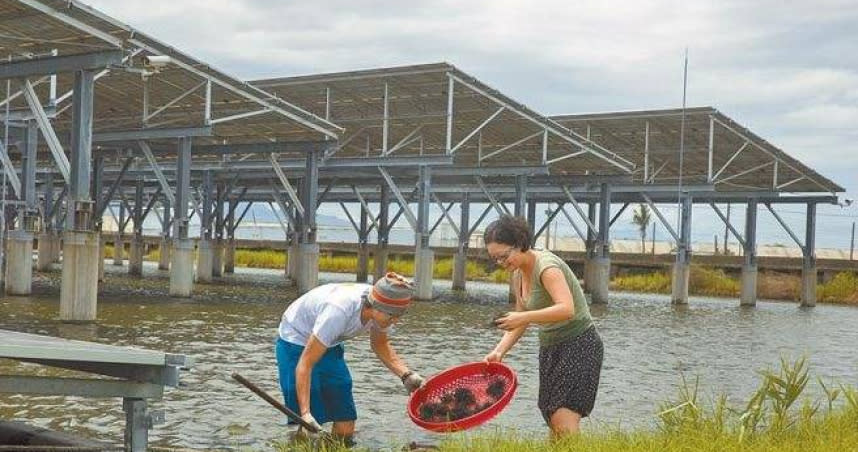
(548, 294)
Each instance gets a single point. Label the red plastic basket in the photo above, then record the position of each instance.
(476, 376)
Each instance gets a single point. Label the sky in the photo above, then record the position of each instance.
(787, 70)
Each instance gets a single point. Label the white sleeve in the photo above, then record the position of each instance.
(330, 325)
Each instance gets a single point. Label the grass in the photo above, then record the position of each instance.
(778, 416)
(842, 288)
(707, 281)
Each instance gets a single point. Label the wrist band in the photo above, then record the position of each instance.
(406, 375)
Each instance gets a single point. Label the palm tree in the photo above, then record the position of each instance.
(642, 219)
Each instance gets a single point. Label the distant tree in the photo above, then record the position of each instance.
(642, 219)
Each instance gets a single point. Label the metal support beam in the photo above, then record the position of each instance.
(661, 218)
(619, 212)
(501, 209)
(750, 244)
(711, 149)
(102, 204)
(587, 220)
(152, 134)
(58, 64)
(412, 220)
(547, 224)
(165, 186)
(423, 203)
(787, 228)
(285, 182)
(47, 131)
(9, 169)
(520, 195)
(183, 187)
(310, 194)
(477, 130)
(604, 245)
(730, 227)
(80, 205)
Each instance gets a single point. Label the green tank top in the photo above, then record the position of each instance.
(539, 298)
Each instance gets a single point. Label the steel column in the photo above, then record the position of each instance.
(424, 258)
(382, 231)
(461, 259)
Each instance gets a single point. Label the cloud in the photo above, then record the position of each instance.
(787, 70)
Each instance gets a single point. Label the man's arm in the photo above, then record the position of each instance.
(313, 351)
(381, 346)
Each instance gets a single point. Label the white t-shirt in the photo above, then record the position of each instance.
(331, 312)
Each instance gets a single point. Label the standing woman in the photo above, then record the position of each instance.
(548, 294)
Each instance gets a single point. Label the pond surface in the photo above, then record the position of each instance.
(231, 325)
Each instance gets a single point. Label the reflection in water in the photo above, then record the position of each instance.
(230, 326)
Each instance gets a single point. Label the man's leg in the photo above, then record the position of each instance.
(337, 394)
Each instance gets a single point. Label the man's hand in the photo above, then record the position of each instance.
(412, 381)
(309, 419)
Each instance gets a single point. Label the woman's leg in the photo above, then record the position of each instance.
(564, 422)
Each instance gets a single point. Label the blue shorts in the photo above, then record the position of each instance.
(331, 397)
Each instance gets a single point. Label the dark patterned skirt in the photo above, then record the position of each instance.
(569, 374)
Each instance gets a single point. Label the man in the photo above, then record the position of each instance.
(315, 380)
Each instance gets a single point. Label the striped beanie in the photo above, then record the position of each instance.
(391, 294)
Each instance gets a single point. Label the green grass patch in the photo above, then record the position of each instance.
(777, 417)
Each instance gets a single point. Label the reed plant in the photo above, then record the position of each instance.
(778, 416)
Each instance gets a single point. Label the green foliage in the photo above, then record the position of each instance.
(843, 288)
(776, 418)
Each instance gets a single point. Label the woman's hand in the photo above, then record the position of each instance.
(493, 357)
(512, 320)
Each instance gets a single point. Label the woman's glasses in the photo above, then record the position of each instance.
(502, 257)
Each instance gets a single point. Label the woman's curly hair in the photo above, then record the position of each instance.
(509, 230)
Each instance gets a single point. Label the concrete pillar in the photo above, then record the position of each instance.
(308, 263)
(204, 260)
(56, 247)
(45, 257)
(748, 294)
(79, 290)
(229, 256)
(808, 267)
(135, 256)
(460, 261)
(19, 262)
(424, 265)
(101, 247)
(363, 248)
(682, 267)
(182, 268)
(217, 258)
(118, 248)
(600, 272)
(164, 251)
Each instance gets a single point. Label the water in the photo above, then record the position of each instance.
(230, 326)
